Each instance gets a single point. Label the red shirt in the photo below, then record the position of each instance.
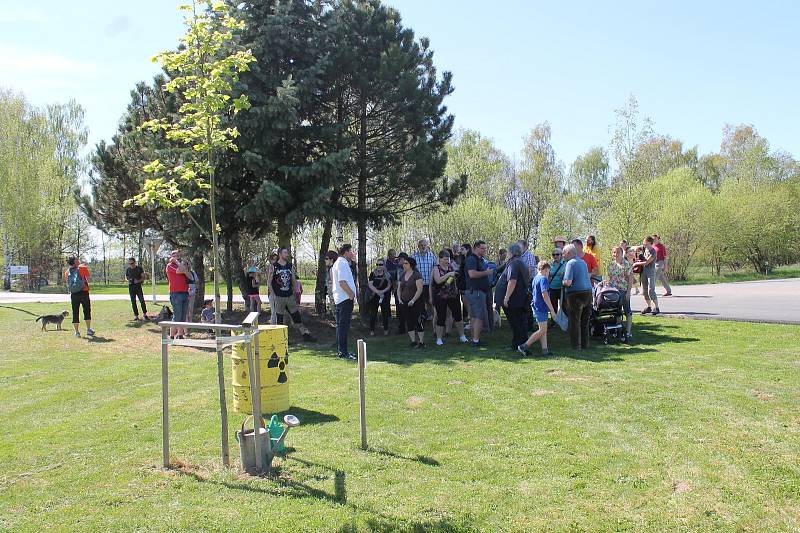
(661, 252)
(84, 272)
(177, 282)
(590, 261)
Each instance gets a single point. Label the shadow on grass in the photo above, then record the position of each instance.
(430, 461)
(281, 485)
(385, 524)
(18, 309)
(96, 339)
(648, 336)
(308, 417)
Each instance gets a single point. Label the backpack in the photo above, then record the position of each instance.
(75, 282)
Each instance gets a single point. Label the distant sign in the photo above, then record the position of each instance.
(18, 270)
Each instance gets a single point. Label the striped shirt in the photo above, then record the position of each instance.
(531, 261)
(425, 264)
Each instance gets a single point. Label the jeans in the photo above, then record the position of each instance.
(386, 311)
(180, 304)
(517, 318)
(648, 280)
(662, 276)
(344, 314)
(578, 306)
(555, 297)
(135, 291)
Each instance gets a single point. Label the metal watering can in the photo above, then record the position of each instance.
(268, 446)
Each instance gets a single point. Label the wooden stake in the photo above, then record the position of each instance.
(165, 397)
(255, 404)
(362, 412)
(223, 407)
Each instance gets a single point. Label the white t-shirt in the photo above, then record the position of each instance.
(341, 272)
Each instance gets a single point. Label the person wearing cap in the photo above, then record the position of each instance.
(557, 267)
(559, 242)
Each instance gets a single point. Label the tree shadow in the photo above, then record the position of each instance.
(96, 339)
(385, 524)
(279, 484)
(430, 461)
(307, 417)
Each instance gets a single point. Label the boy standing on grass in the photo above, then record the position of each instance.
(540, 304)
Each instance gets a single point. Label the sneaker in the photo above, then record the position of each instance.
(667, 294)
(421, 346)
(463, 339)
(90, 332)
(348, 356)
(308, 338)
(522, 349)
(439, 342)
(78, 334)
(646, 311)
(656, 311)
(136, 318)
(546, 353)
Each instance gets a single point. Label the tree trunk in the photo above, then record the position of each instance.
(228, 276)
(198, 264)
(362, 207)
(7, 259)
(237, 264)
(285, 232)
(319, 290)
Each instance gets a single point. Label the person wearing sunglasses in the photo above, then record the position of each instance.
(380, 285)
(556, 276)
(135, 276)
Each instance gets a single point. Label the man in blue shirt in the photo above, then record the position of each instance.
(477, 290)
(578, 298)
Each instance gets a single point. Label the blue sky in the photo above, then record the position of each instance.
(694, 66)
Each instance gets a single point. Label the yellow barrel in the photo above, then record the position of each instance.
(274, 372)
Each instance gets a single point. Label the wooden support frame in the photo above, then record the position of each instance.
(249, 335)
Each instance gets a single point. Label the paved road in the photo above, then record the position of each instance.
(27, 297)
(754, 301)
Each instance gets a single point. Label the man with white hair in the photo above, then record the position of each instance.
(578, 296)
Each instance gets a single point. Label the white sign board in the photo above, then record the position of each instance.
(17, 270)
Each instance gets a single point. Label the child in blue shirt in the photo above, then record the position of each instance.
(541, 305)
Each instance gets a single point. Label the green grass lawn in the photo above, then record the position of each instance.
(696, 427)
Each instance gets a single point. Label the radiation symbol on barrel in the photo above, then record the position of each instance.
(280, 363)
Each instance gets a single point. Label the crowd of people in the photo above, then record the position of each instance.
(462, 291)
